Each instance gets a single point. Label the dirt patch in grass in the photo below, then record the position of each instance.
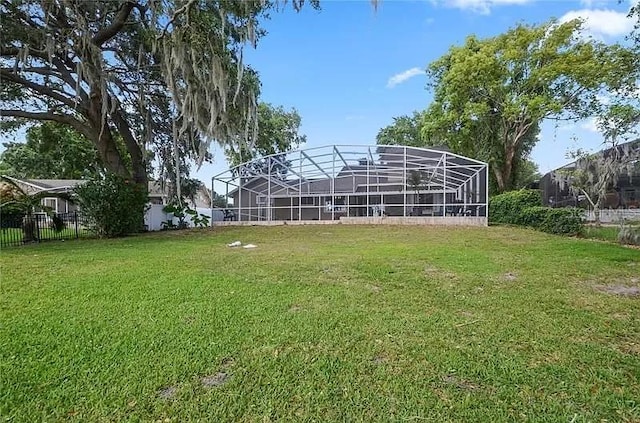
(460, 383)
(294, 308)
(510, 277)
(168, 392)
(215, 380)
(379, 359)
(631, 348)
(434, 272)
(620, 316)
(622, 290)
(221, 377)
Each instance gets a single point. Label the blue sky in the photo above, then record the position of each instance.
(349, 69)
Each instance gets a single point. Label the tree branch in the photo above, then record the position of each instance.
(139, 170)
(177, 13)
(120, 19)
(47, 91)
(66, 119)
(41, 70)
(67, 77)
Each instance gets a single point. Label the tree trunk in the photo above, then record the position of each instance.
(507, 171)
(106, 144)
(499, 179)
(596, 215)
(110, 155)
(29, 229)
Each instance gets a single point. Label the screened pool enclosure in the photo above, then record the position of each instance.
(355, 182)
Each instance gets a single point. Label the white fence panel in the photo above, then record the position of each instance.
(614, 215)
(154, 217)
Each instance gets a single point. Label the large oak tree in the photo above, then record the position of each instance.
(491, 95)
(152, 73)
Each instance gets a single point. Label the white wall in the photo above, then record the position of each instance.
(615, 215)
(154, 216)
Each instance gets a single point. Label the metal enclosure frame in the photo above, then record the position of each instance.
(349, 181)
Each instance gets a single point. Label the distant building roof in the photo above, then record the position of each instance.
(50, 184)
(633, 144)
(156, 188)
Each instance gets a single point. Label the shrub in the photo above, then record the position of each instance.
(533, 217)
(629, 235)
(562, 221)
(508, 207)
(112, 206)
(181, 212)
(524, 207)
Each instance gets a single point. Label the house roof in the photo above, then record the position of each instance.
(51, 184)
(156, 188)
(633, 144)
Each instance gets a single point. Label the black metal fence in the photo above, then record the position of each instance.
(18, 229)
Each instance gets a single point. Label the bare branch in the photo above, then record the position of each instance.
(177, 13)
(67, 77)
(66, 119)
(47, 91)
(109, 32)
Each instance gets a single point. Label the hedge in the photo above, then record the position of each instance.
(508, 207)
(524, 208)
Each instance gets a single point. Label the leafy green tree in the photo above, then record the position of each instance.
(52, 151)
(220, 201)
(527, 172)
(405, 130)
(278, 132)
(491, 95)
(149, 72)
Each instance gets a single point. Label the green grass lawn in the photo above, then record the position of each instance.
(603, 233)
(321, 323)
(14, 236)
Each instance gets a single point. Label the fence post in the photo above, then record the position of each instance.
(37, 228)
(75, 219)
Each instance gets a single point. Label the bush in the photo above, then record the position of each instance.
(524, 207)
(563, 221)
(508, 207)
(182, 212)
(112, 206)
(533, 217)
(629, 235)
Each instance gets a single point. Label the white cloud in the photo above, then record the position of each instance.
(401, 77)
(479, 6)
(593, 3)
(590, 125)
(601, 23)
